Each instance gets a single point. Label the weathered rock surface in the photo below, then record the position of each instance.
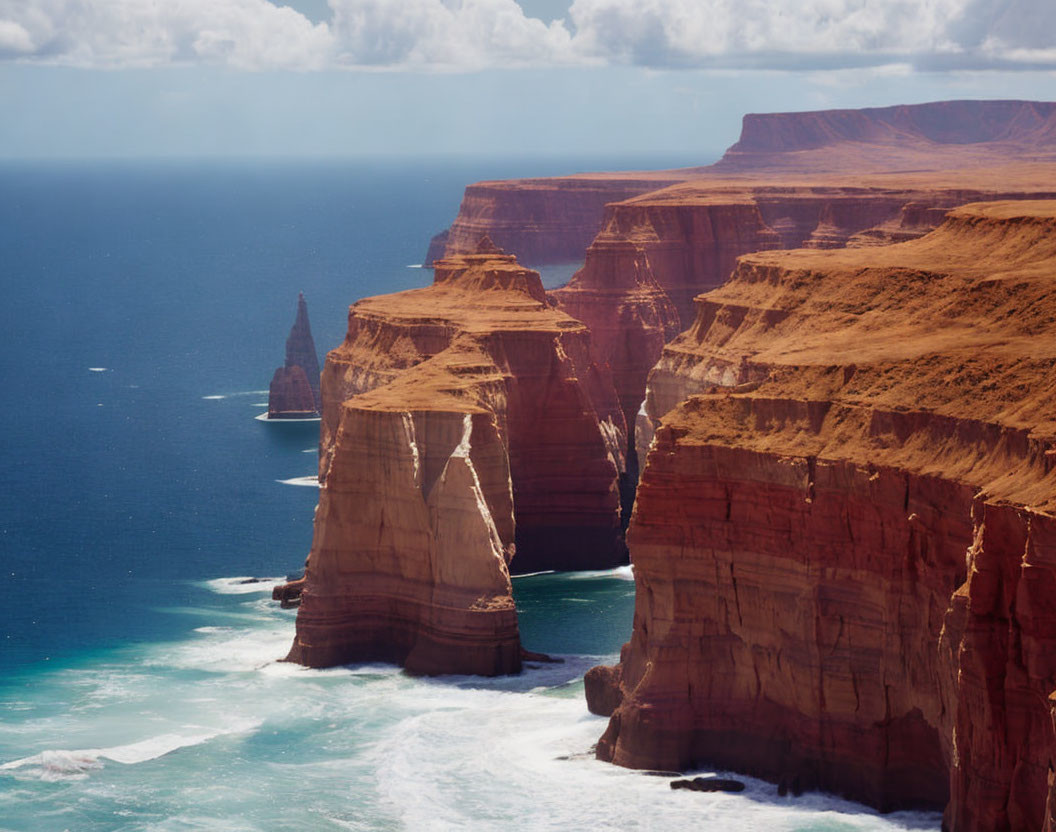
(818, 180)
(845, 538)
(294, 390)
(543, 221)
(900, 138)
(708, 784)
(462, 423)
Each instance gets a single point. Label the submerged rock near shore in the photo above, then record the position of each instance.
(465, 432)
(845, 533)
(294, 391)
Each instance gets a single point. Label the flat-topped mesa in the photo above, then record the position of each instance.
(844, 539)
(541, 220)
(466, 431)
(294, 391)
(940, 134)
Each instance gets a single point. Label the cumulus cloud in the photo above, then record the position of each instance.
(250, 34)
(425, 33)
(474, 34)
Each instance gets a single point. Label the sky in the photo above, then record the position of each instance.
(354, 78)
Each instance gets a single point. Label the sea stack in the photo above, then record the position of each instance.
(465, 429)
(294, 392)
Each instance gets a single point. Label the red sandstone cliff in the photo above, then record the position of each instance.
(845, 542)
(294, 390)
(820, 180)
(462, 423)
(939, 135)
(542, 221)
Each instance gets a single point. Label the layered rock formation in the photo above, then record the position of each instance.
(294, 391)
(845, 534)
(542, 220)
(820, 180)
(938, 135)
(465, 427)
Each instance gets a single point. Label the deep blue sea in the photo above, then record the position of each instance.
(144, 308)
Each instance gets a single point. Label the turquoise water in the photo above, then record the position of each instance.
(144, 311)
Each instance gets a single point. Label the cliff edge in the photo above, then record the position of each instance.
(845, 534)
(465, 431)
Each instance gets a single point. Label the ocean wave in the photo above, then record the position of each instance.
(98, 369)
(241, 585)
(60, 764)
(218, 396)
(311, 481)
(263, 417)
(624, 573)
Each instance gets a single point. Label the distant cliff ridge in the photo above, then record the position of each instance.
(551, 220)
(1018, 123)
(294, 391)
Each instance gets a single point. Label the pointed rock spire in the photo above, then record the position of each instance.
(296, 384)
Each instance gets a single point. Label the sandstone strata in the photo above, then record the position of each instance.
(824, 179)
(845, 535)
(542, 221)
(465, 429)
(294, 391)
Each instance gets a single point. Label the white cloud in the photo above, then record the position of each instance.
(433, 33)
(250, 34)
(474, 34)
(14, 39)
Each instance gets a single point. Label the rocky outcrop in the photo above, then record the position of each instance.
(294, 391)
(466, 431)
(437, 247)
(543, 220)
(844, 537)
(941, 135)
(823, 179)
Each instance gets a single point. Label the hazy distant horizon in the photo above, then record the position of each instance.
(363, 78)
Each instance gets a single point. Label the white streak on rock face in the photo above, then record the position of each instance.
(613, 445)
(412, 443)
(463, 452)
(644, 433)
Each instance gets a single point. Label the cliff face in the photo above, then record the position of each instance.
(823, 179)
(462, 423)
(541, 220)
(845, 537)
(943, 134)
(295, 386)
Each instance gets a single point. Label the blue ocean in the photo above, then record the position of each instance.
(144, 308)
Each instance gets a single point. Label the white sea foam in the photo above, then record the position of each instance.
(218, 396)
(97, 369)
(416, 266)
(533, 574)
(310, 451)
(311, 481)
(59, 764)
(624, 573)
(368, 746)
(263, 417)
(242, 585)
